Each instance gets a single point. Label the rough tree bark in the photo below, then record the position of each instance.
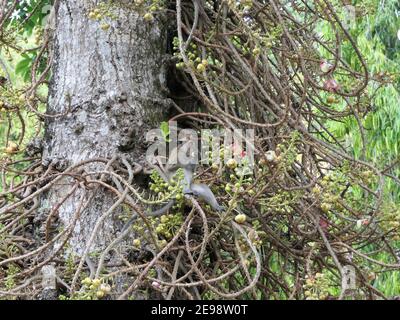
(113, 82)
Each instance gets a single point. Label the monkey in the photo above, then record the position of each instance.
(199, 190)
(185, 157)
(182, 157)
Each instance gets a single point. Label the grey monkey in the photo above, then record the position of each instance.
(199, 190)
(185, 157)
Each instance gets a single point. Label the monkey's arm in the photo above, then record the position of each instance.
(200, 190)
(204, 192)
(154, 213)
(166, 174)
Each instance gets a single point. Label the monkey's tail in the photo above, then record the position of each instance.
(162, 210)
(155, 213)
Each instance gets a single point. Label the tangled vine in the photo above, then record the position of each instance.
(310, 210)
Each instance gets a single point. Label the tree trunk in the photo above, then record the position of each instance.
(110, 85)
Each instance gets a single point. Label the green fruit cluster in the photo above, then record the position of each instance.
(168, 224)
(316, 287)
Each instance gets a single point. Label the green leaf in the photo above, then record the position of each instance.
(22, 66)
(164, 127)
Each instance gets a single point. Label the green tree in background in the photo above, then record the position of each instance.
(375, 30)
